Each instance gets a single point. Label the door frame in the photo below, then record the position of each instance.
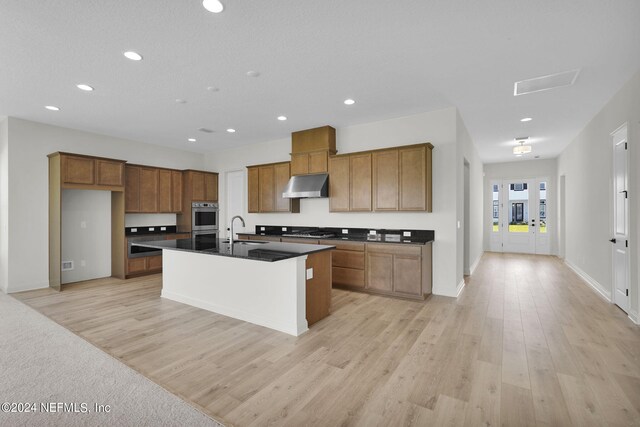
(624, 126)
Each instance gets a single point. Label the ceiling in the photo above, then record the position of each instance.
(393, 58)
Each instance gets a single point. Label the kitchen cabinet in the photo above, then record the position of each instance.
(360, 182)
(109, 172)
(310, 150)
(398, 269)
(385, 180)
(148, 190)
(309, 163)
(262, 238)
(211, 187)
(176, 191)
(79, 170)
(165, 193)
(415, 173)
(347, 263)
(132, 189)
(265, 186)
(144, 265)
(152, 190)
(339, 183)
(200, 186)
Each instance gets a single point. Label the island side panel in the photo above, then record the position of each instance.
(319, 287)
(270, 294)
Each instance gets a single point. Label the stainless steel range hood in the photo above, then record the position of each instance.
(307, 186)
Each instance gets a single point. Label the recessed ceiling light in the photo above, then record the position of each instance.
(52, 108)
(231, 130)
(526, 119)
(349, 101)
(191, 140)
(84, 87)
(253, 73)
(134, 56)
(213, 6)
(282, 118)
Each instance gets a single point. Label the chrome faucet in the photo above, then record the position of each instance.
(233, 219)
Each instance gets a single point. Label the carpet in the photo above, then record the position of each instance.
(60, 378)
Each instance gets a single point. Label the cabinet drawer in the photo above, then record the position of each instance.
(395, 249)
(299, 240)
(348, 277)
(154, 262)
(136, 265)
(344, 246)
(348, 259)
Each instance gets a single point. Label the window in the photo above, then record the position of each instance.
(543, 186)
(496, 212)
(543, 209)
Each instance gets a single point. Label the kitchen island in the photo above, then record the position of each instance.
(283, 286)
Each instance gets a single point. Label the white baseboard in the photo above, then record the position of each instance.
(41, 285)
(633, 315)
(593, 283)
(475, 263)
(460, 288)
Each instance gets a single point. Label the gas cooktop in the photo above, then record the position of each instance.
(311, 234)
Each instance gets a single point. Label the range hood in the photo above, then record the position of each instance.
(307, 186)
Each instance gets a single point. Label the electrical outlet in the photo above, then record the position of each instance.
(345, 231)
(151, 229)
(262, 228)
(309, 273)
(373, 232)
(163, 228)
(134, 230)
(83, 224)
(406, 234)
(284, 228)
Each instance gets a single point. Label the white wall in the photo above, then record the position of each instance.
(86, 234)
(438, 127)
(29, 144)
(141, 220)
(587, 165)
(4, 204)
(467, 151)
(547, 168)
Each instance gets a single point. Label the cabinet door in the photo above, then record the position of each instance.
(339, 184)
(318, 162)
(413, 192)
(176, 191)
(148, 190)
(380, 271)
(197, 186)
(360, 182)
(154, 262)
(164, 191)
(110, 173)
(267, 189)
(348, 259)
(136, 265)
(78, 170)
(253, 190)
(385, 180)
(299, 164)
(281, 177)
(132, 189)
(211, 187)
(407, 274)
(348, 277)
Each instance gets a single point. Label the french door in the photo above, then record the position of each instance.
(519, 213)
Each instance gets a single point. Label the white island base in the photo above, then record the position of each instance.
(270, 294)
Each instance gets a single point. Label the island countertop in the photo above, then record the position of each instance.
(258, 251)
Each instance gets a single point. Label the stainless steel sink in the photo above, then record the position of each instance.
(245, 242)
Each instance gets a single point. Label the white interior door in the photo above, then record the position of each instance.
(620, 241)
(519, 212)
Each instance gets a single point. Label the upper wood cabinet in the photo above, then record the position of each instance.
(211, 186)
(82, 172)
(394, 179)
(152, 190)
(309, 163)
(310, 150)
(201, 186)
(266, 184)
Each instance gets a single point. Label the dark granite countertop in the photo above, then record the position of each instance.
(259, 251)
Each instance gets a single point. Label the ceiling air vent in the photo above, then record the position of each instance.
(538, 84)
(205, 130)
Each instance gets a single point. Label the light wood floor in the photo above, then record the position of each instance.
(527, 343)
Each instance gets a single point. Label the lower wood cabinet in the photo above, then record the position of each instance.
(144, 265)
(402, 270)
(348, 263)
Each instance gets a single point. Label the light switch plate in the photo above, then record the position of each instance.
(261, 228)
(151, 228)
(406, 233)
(345, 231)
(134, 230)
(163, 228)
(284, 228)
(373, 232)
(458, 224)
(309, 273)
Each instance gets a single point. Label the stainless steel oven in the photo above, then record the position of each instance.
(204, 216)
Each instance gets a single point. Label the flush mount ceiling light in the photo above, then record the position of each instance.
(213, 89)
(521, 149)
(181, 101)
(282, 118)
(349, 101)
(213, 6)
(52, 108)
(552, 81)
(191, 140)
(253, 73)
(231, 130)
(526, 119)
(134, 56)
(84, 87)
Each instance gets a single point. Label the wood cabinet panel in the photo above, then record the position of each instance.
(302, 240)
(322, 138)
(348, 277)
(339, 184)
(407, 274)
(132, 189)
(136, 265)
(299, 164)
(211, 187)
(265, 238)
(318, 162)
(318, 289)
(409, 250)
(360, 182)
(385, 180)
(281, 178)
(109, 173)
(267, 189)
(413, 182)
(148, 190)
(154, 262)
(176, 191)
(380, 271)
(253, 184)
(165, 196)
(348, 259)
(78, 170)
(344, 245)
(197, 187)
